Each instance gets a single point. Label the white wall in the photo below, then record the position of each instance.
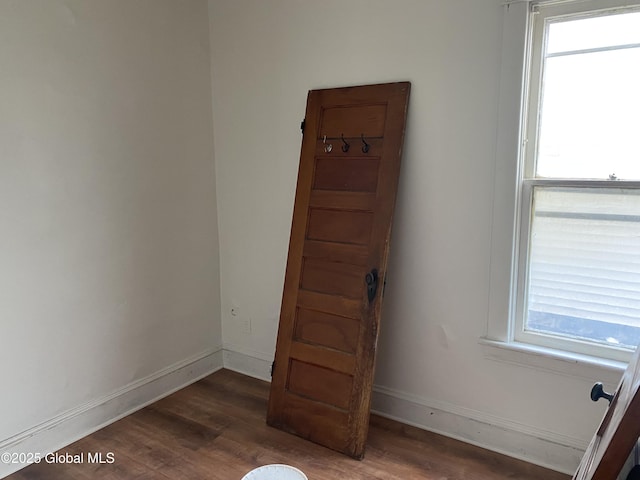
(109, 276)
(431, 370)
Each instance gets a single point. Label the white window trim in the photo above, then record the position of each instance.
(499, 340)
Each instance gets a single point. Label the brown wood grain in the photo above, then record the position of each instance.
(344, 307)
(340, 226)
(335, 278)
(215, 430)
(304, 378)
(339, 333)
(353, 121)
(344, 203)
(346, 174)
(619, 430)
(334, 360)
(353, 254)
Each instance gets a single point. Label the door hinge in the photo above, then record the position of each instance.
(273, 367)
(302, 124)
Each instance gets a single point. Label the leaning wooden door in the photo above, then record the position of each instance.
(619, 430)
(345, 197)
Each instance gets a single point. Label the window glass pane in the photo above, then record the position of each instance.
(590, 116)
(584, 271)
(595, 32)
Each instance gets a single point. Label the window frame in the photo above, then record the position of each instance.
(540, 15)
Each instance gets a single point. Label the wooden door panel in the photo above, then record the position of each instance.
(316, 355)
(322, 421)
(343, 307)
(304, 379)
(341, 226)
(336, 278)
(325, 352)
(321, 328)
(332, 252)
(348, 200)
(347, 174)
(618, 432)
(353, 121)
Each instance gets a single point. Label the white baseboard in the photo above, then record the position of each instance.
(74, 424)
(540, 447)
(250, 363)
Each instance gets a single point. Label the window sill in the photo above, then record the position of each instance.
(592, 369)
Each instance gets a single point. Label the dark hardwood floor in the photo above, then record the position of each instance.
(215, 429)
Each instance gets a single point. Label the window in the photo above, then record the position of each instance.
(578, 268)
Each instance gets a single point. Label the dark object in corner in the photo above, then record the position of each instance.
(634, 474)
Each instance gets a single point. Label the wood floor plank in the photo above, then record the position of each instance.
(215, 429)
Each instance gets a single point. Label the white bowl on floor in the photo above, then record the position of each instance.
(276, 471)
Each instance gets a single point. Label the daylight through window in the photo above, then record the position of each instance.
(579, 269)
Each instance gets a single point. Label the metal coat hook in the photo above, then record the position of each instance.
(327, 146)
(345, 147)
(365, 145)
